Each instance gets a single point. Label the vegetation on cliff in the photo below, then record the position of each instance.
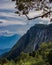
(42, 56)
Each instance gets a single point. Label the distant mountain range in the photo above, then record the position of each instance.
(30, 41)
(2, 51)
(7, 42)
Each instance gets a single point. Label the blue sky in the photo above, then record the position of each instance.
(11, 23)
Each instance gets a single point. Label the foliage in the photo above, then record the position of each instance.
(25, 6)
(42, 56)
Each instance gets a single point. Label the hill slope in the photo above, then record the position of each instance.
(7, 42)
(32, 39)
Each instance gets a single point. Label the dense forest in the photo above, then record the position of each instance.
(42, 56)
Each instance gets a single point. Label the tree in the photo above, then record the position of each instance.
(25, 6)
(50, 57)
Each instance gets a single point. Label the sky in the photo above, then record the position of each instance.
(11, 23)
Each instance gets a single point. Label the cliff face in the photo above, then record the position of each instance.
(32, 39)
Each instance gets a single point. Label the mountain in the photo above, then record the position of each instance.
(30, 41)
(7, 42)
(2, 51)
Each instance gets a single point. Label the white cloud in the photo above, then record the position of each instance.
(6, 22)
(12, 23)
(35, 13)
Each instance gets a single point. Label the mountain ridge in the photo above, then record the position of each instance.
(8, 42)
(30, 41)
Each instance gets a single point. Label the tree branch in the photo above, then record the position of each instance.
(38, 16)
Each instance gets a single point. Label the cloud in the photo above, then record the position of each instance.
(1, 22)
(11, 23)
(7, 4)
(35, 13)
(5, 33)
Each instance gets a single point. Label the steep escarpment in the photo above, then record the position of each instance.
(29, 42)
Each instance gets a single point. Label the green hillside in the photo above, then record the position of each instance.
(42, 56)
